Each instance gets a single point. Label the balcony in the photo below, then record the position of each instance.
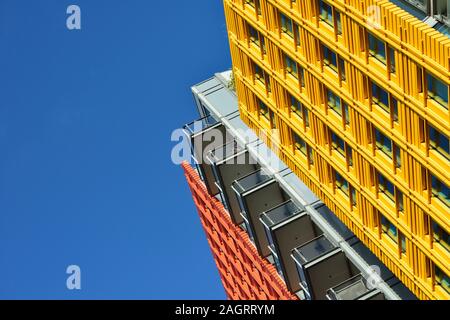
(205, 134)
(287, 226)
(257, 192)
(230, 162)
(354, 289)
(321, 266)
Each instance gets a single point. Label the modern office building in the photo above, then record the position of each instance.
(271, 237)
(352, 97)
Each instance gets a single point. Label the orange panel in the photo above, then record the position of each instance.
(245, 275)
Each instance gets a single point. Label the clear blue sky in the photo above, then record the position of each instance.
(85, 171)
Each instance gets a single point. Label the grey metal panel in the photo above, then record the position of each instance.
(289, 237)
(256, 203)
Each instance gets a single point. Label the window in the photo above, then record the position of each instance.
(326, 13)
(442, 279)
(262, 77)
(302, 77)
(342, 74)
(255, 4)
(306, 112)
(299, 144)
(377, 48)
(311, 155)
(402, 242)
(346, 113)
(337, 143)
(256, 38)
(394, 105)
(349, 152)
(437, 90)
(263, 109)
(286, 25)
(399, 202)
(330, 58)
(440, 190)
(391, 59)
(291, 66)
(383, 143)
(297, 34)
(353, 196)
(439, 142)
(389, 229)
(296, 106)
(380, 97)
(338, 22)
(341, 183)
(334, 102)
(441, 237)
(385, 186)
(398, 157)
(273, 121)
(260, 74)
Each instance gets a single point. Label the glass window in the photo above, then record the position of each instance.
(306, 112)
(441, 237)
(442, 279)
(383, 143)
(377, 48)
(273, 121)
(297, 34)
(329, 58)
(334, 102)
(346, 113)
(437, 90)
(254, 35)
(255, 4)
(311, 155)
(385, 186)
(263, 109)
(391, 60)
(338, 22)
(394, 110)
(302, 77)
(299, 144)
(259, 73)
(400, 204)
(256, 38)
(439, 142)
(337, 143)
(349, 155)
(380, 97)
(342, 73)
(398, 158)
(402, 242)
(389, 229)
(440, 190)
(326, 12)
(341, 183)
(296, 106)
(353, 195)
(286, 25)
(291, 66)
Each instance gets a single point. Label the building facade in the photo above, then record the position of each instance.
(353, 97)
(270, 235)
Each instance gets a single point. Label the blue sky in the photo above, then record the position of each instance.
(85, 171)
